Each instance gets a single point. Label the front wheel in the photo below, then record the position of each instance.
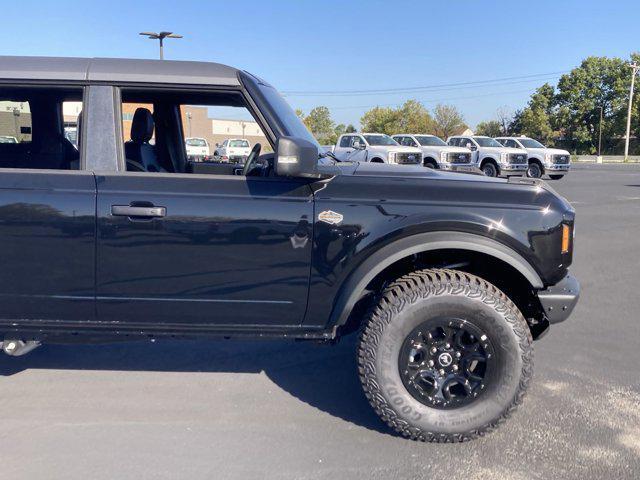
(430, 164)
(490, 170)
(555, 177)
(444, 356)
(534, 170)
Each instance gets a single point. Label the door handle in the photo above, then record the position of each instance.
(130, 211)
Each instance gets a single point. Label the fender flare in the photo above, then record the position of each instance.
(352, 288)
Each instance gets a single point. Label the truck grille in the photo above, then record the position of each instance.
(459, 157)
(408, 158)
(561, 159)
(517, 158)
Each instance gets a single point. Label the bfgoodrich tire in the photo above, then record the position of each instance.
(444, 356)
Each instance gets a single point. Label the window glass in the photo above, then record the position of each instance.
(190, 132)
(380, 140)
(39, 128)
(531, 143)
(486, 142)
(345, 142)
(454, 142)
(430, 141)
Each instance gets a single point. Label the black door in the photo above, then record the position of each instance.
(202, 249)
(47, 245)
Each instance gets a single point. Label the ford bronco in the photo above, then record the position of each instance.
(447, 278)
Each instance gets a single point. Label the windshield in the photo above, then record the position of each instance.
(196, 142)
(487, 142)
(283, 114)
(429, 141)
(239, 143)
(380, 140)
(530, 143)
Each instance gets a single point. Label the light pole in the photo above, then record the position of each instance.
(160, 36)
(600, 134)
(189, 120)
(634, 68)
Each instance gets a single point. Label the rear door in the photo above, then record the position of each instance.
(47, 209)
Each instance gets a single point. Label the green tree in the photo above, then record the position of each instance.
(350, 129)
(597, 82)
(321, 125)
(537, 118)
(412, 117)
(447, 121)
(490, 128)
(380, 120)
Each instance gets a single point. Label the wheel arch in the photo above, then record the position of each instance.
(354, 288)
(538, 161)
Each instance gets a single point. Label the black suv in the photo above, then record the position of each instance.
(447, 278)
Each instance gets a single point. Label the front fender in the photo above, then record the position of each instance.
(351, 290)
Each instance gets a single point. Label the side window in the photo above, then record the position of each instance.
(345, 141)
(177, 132)
(39, 127)
(510, 143)
(454, 142)
(409, 142)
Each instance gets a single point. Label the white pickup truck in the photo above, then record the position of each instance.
(437, 154)
(375, 147)
(197, 149)
(233, 150)
(492, 157)
(552, 161)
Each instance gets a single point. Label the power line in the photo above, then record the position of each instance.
(467, 97)
(475, 83)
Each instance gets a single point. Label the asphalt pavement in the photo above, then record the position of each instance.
(281, 410)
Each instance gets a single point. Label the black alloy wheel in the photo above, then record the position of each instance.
(446, 363)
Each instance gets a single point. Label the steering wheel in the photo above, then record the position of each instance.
(251, 159)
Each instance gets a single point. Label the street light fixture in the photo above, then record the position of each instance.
(160, 36)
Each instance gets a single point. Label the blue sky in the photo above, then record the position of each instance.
(344, 46)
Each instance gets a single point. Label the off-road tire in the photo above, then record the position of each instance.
(406, 303)
(428, 163)
(555, 177)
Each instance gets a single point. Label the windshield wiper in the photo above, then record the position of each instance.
(329, 154)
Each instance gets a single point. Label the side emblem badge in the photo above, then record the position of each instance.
(330, 217)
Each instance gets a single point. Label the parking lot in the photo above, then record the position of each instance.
(290, 410)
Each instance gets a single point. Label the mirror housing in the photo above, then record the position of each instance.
(358, 146)
(296, 157)
(470, 146)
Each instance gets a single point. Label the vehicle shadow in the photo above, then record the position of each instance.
(322, 376)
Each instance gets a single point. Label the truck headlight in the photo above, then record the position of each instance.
(547, 157)
(503, 157)
(391, 157)
(443, 156)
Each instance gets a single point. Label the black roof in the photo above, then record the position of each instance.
(117, 70)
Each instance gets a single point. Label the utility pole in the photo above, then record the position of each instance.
(600, 134)
(160, 36)
(634, 68)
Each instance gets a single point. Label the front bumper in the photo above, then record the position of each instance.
(557, 168)
(460, 167)
(513, 169)
(559, 300)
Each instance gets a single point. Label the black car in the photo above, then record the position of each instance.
(448, 278)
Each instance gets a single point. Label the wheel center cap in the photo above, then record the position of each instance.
(445, 359)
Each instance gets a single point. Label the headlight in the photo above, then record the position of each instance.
(391, 157)
(503, 157)
(547, 157)
(443, 156)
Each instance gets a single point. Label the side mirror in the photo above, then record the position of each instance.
(357, 145)
(470, 146)
(296, 157)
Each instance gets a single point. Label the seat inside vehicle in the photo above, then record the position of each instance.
(34, 119)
